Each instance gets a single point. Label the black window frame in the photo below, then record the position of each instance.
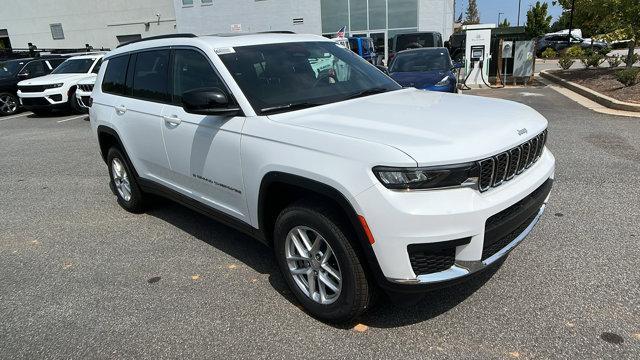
(225, 87)
(126, 87)
(133, 58)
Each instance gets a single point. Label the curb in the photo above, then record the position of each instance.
(591, 94)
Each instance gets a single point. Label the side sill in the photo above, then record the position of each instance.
(153, 187)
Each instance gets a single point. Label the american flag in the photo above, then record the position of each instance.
(340, 32)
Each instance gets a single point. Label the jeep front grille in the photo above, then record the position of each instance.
(86, 87)
(506, 165)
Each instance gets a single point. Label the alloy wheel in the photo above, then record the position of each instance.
(8, 104)
(313, 265)
(121, 179)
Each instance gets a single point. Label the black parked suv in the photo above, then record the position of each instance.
(560, 42)
(16, 70)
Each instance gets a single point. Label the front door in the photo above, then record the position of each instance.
(203, 150)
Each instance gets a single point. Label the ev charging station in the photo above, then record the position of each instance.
(478, 54)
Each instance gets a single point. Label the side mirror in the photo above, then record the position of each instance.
(209, 101)
(384, 69)
(456, 65)
(23, 75)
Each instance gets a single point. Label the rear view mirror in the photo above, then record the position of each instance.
(209, 101)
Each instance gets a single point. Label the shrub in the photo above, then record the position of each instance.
(592, 59)
(565, 62)
(575, 52)
(634, 59)
(614, 60)
(628, 77)
(549, 53)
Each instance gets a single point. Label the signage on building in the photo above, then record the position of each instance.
(236, 27)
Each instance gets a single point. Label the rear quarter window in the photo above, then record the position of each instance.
(114, 81)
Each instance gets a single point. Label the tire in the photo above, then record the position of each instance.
(123, 182)
(355, 292)
(9, 104)
(73, 104)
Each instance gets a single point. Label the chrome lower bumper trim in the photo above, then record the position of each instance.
(461, 269)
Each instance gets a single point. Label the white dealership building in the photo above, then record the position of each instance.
(74, 23)
(379, 19)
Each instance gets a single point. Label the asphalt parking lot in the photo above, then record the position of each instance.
(82, 278)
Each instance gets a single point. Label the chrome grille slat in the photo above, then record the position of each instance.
(505, 166)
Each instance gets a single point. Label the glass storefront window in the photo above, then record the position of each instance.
(377, 14)
(403, 13)
(335, 14)
(358, 15)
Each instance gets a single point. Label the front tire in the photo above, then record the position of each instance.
(9, 104)
(123, 182)
(319, 263)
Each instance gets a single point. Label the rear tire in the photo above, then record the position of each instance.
(123, 182)
(9, 104)
(312, 247)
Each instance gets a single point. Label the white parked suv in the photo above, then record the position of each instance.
(356, 183)
(57, 90)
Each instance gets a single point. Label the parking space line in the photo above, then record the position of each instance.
(72, 118)
(15, 116)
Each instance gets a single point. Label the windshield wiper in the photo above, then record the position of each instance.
(367, 92)
(294, 106)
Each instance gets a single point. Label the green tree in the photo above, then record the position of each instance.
(472, 15)
(562, 23)
(505, 24)
(607, 16)
(538, 20)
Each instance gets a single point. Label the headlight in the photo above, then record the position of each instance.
(445, 81)
(52, 86)
(428, 177)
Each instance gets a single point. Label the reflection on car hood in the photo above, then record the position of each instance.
(54, 78)
(419, 79)
(433, 128)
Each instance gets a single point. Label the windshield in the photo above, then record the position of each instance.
(10, 68)
(423, 60)
(286, 76)
(74, 66)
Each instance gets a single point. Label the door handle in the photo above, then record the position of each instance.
(121, 109)
(173, 120)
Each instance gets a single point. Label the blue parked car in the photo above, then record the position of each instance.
(363, 46)
(425, 69)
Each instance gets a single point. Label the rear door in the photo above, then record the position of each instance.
(203, 150)
(137, 112)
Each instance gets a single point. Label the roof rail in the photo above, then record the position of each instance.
(276, 32)
(168, 36)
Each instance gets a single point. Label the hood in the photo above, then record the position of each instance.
(53, 78)
(433, 128)
(419, 79)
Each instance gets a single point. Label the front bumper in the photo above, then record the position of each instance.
(451, 217)
(50, 98)
(83, 98)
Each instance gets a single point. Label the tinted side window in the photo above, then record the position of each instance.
(191, 70)
(96, 68)
(150, 78)
(115, 75)
(35, 68)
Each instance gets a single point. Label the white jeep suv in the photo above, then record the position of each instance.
(57, 90)
(356, 183)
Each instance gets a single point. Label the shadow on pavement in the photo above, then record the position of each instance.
(386, 314)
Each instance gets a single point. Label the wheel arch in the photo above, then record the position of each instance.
(278, 189)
